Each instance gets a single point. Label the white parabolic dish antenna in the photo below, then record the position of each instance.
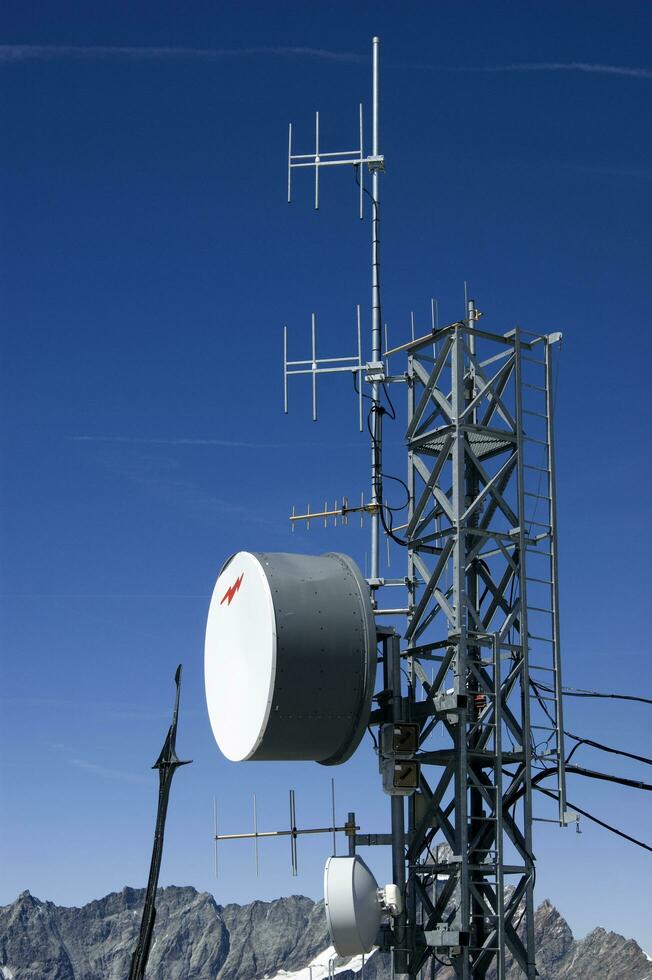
(290, 657)
(353, 909)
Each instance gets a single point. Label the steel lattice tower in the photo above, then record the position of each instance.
(478, 479)
(470, 710)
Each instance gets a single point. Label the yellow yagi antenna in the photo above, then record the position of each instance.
(336, 511)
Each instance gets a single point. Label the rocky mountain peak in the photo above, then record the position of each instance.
(27, 899)
(197, 939)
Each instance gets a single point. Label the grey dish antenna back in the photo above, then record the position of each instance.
(353, 910)
(355, 905)
(290, 657)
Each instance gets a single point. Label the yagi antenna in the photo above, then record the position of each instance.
(335, 512)
(335, 158)
(293, 832)
(325, 365)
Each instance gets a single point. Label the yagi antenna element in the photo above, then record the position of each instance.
(324, 365)
(334, 158)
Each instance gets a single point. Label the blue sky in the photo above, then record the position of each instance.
(148, 261)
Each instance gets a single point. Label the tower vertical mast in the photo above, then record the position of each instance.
(376, 449)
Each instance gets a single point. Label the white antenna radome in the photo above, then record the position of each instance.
(290, 657)
(353, 911)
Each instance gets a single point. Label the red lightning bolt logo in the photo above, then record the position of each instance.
(231, 591)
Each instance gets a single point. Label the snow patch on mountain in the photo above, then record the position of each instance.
(325, 964)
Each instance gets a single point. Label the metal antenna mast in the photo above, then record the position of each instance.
(376, 449)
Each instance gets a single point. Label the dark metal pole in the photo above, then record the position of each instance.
(167, 764)
(393, 660)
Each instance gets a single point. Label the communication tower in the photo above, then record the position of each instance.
(469, 697)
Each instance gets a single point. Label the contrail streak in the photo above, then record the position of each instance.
(579, 66)
(13, 53)
(161, 441)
